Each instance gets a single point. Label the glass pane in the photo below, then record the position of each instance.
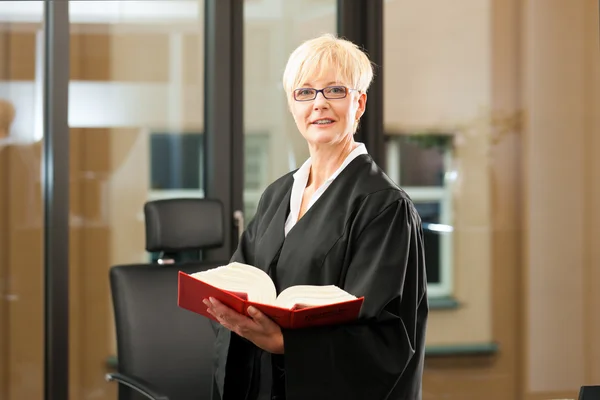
(176, 161)
(21, 202)
(420, 160)
(422, 165)
(136, 123)
(272, 30)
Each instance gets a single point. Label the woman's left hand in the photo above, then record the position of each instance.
(258, 328)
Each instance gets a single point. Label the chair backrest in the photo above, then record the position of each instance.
(178, 225)
(589, 393)
(157, 341)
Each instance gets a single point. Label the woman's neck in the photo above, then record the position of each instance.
(325, 160)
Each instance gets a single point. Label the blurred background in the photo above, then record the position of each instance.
(491, 122)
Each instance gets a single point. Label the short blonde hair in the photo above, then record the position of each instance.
(317, 56)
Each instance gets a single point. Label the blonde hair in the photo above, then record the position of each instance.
(315, 57)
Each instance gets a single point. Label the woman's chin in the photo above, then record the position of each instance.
(323, 136)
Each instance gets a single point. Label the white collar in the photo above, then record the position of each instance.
(301, 179)
(303, 172)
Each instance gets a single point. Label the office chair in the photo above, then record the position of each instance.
(589, 393)
(165, 352)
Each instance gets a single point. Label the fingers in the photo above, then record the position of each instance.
(258, 328)
(259, 317)
(220, 311)
(238, 322)
(227, 317)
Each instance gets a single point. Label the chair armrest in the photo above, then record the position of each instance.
(142, 386)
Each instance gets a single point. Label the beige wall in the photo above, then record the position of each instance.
(437, 60)
(592, 259)
(562, 182)
(532, 58)
(438, 77)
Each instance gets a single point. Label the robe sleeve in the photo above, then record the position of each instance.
(381, 355)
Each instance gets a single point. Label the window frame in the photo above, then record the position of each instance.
(441, 194)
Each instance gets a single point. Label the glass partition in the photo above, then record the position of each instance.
(21, 201)
(136, 130)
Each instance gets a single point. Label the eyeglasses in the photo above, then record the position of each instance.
(330, 92)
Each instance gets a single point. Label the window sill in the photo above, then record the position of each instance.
(443, 303)
(469, 349)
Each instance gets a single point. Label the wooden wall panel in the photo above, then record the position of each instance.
(4, 256)
(90, 240)
(90, 57)
(593, 211)
(25, 271)
(94, 263)
(21, 240)
(76, 292)
(17, 55)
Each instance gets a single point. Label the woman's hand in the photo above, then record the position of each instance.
(258, 328)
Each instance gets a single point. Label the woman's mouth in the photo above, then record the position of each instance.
(323, 121)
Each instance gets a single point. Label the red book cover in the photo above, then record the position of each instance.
(192, 292)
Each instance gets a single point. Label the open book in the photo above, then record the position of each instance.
(240, 286)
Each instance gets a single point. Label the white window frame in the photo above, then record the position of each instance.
(443, 195)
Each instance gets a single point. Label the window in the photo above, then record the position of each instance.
(256, 171)
(420, 164)
(177, 162)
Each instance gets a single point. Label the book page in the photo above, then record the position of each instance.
(309, 296)
(238, 277)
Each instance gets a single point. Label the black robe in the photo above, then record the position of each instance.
(364, 235)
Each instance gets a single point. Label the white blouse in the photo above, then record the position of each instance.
(301, 179)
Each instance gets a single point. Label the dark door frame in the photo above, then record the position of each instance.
(224, 114)
(361, 21)
(55, 188)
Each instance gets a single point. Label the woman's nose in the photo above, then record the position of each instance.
(320, 102)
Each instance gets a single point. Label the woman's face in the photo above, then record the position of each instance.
(327, 121)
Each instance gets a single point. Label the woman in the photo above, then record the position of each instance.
(337, 220)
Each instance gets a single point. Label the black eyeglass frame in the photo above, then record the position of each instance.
(322, 91)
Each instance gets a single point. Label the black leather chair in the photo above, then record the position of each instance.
(165, 352)
(589, 393)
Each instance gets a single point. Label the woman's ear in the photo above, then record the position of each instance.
(362, 106)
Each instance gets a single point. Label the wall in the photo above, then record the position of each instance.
(561, 187)
(530, 69)
(453, 67)
(437, 74)
(21, 245)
